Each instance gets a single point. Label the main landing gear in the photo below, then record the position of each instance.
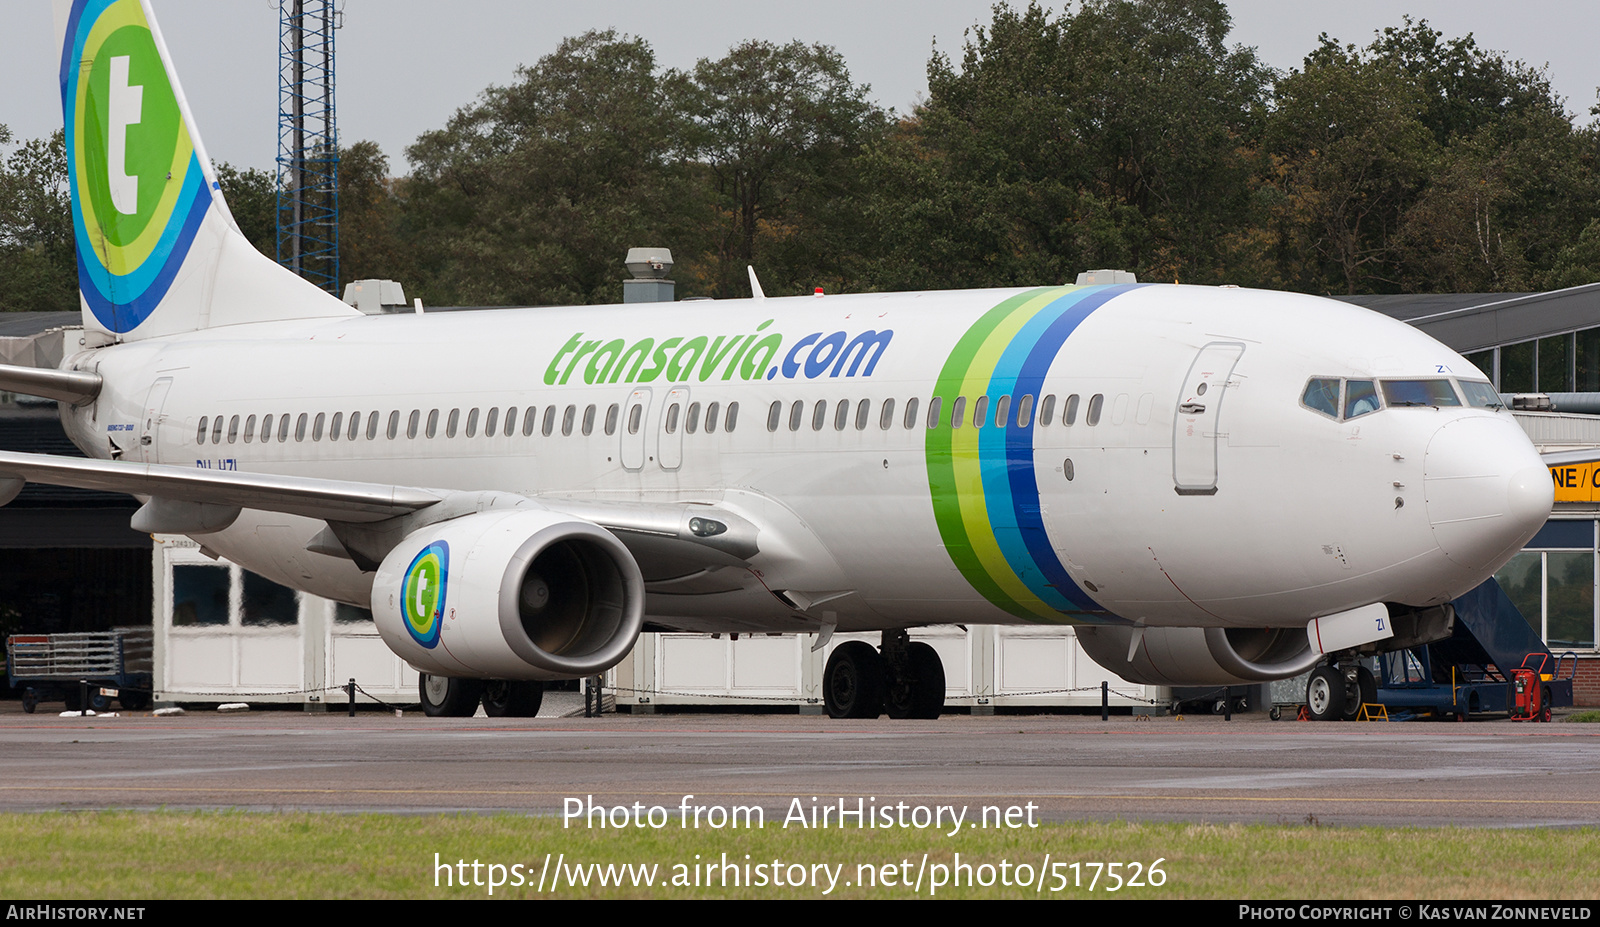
(902, 676)
(448, 697)
(1336, 693)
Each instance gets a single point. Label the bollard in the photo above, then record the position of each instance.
(1105, 700)
(83, 694)
(1227, 703)
(350, 687)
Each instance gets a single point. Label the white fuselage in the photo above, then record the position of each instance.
(1305, 514)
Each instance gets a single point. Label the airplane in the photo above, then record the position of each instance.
(1214, 485)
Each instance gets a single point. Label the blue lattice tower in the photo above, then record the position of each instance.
(308, 142)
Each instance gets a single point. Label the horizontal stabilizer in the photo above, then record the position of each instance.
(62, 385)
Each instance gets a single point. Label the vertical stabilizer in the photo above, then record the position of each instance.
(158, 250)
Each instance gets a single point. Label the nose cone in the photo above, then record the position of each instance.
(1487, 491)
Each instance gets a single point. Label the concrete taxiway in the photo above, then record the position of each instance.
(1482, 774)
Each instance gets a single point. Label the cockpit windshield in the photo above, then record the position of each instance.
(1419, 393)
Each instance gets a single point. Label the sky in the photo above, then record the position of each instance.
(404, 66)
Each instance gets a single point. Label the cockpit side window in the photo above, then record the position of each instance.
(1360, 398)
(1419, 393)
(1481, 394)
(1322, 395)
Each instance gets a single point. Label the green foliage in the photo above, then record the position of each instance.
(38, 263)
(775, 129)
(252, 197)
(533, 194)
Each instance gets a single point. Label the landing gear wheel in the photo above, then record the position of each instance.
(853, 682)
(1365, 692)
(1325, 693)
(921, 697)
(505, 699)
(447, 697)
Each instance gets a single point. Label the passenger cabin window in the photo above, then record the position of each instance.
(528, 418)
(672, 418)
(1002, 411)
(249, 429)
(774, 415)
(394, 425)
(490, 422)
(414, 424)
(1419, 393)
(355, 426)
(568, 418)
(266, 428)
(216, 430)
(1047, 410)
(300, 426)
(1322, 395)
(316, 427)
(819, 415)
(335, 426)
(1092, 417)
(731, 420)
(549, 421)
(933, 411)
(200, 436)
(796, 414)
(372, 425)
(980, 412)
(588, 419)
(611, 418)
(472, 423)
(841, 415)
(712, 411)
(1069, 412)
(958, 411)
(433, 422)
(692, 419)
(233, 430)
(1025, 411)
(283, 427)
(886, 416)
(452, 423)
(911, 413)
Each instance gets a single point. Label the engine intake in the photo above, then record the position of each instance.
(522, 594)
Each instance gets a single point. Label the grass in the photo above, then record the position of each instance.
(140, 855)
(1585, 717)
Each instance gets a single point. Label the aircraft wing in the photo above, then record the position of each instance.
(336, 500)
(668, 539)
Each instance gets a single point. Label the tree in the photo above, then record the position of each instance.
(252, 197)
(777, 127)
(370, 244)
(38, 261)
(533, 194)
(1117, 135)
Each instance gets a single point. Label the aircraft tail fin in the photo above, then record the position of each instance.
(158, 251)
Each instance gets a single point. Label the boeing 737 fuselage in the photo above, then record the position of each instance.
(1216, 485)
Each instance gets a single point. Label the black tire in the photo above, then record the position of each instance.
(1366, 688)
(98, 702)
(1275, 713)
(450, 697)
(30, 700)
(853, 683)
(506, 699)
(922, 698)
(1325, 696)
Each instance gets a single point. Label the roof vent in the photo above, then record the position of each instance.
(650, 267)
(1105, 277)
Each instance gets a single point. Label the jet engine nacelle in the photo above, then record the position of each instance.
(522, 594)
(1201, 656)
